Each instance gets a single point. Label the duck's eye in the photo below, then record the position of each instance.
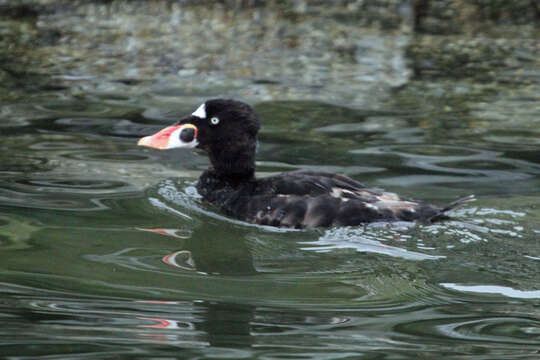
(214, 121)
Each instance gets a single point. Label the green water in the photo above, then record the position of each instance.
(107, 251)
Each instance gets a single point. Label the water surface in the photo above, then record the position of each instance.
(106, 249)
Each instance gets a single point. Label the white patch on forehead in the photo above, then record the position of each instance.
(200, 112)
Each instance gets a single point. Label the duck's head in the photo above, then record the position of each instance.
(226, 129)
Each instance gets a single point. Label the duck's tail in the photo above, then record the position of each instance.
(458, 202)
(454, 204)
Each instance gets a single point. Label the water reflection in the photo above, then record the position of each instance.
(223, 255)
(226, 255)
(182, 259)
(228, 325)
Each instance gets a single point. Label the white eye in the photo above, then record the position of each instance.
(214, 121)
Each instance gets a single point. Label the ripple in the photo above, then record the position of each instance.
(493, 211)
(495, 289)
(74, 107)
(166, 113)
(370, 124)
(80, 186)
(479, 165)
(274, 166)
(130, 258)
(52, 204)
(502, 329)
(74, 77)
(84, 122)
(118, 318)
(109, 156)
(57, 145)
(182, 91)
(20, 115)
(438, 151)
(62, 194)
(367, 240)
(106, 126)
(461, 164)
(513, 140)
(22, 163)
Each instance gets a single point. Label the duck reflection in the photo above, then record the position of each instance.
(209, 252)
(228, 325)
(224, 325)
(223, 253)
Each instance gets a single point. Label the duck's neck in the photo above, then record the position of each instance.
(233, 173)
(234, 165)
(213, 180)
(217, 186)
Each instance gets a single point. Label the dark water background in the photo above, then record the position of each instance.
(107, 251)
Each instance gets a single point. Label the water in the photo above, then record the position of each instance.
(107, 251)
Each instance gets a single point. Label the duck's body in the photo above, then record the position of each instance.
(227, 130)
(302, 199)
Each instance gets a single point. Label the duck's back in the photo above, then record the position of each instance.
(315, 199)
(302, 199)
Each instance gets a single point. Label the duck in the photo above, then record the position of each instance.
(226, 129)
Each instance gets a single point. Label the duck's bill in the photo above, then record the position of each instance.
(179, 136)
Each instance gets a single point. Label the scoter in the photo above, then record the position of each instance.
(227, 130)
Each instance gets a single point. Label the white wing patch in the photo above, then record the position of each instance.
(375, 201)
(371, 206)
(396, 205)
(341, 193)
(200, 112)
